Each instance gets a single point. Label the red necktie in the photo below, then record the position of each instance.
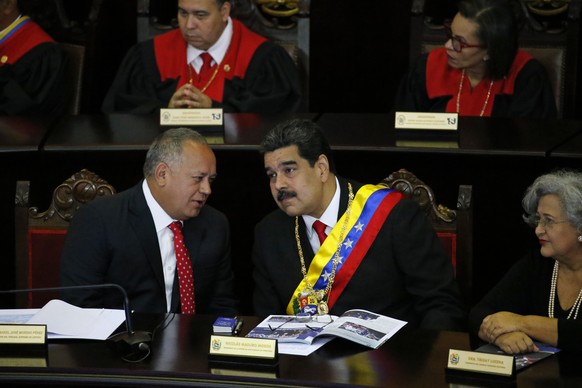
(206, 67)
(184, 268)
(320, 230)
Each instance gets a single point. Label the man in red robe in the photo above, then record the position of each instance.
(243, 72)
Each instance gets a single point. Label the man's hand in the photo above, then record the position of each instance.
(188, 96)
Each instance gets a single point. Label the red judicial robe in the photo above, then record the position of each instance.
(432, 86)
(33, 72)
(255, 76)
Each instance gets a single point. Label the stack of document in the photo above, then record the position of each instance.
(64, 320)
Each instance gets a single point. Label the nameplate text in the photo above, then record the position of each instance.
(243, 347)
(496, 364)
(191, 117)
(426, 120)
(23, 334)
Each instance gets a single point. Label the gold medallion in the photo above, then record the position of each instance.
(322, 308)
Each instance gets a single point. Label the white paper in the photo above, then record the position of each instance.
(17, 315)
(299, 349)
(64, 320)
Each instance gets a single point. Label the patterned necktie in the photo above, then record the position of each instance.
(206, 67)
(320, 230)
(184, 268)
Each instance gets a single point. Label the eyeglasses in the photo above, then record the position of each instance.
(312, 322)
(544, 222)
(457, 42)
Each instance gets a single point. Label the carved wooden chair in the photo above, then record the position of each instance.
(39, 236)
(454, 227)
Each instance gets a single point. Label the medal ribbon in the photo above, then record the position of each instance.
(370, 207)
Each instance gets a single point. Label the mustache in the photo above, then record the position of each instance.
(284, 194)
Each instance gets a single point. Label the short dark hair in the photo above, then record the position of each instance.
(303, 133)
(498, 26)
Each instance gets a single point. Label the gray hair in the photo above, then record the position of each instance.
(567, 185)
(167, 148)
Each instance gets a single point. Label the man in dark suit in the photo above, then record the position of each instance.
(380, 253)
(126, 239)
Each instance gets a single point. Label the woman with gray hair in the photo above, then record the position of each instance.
(539, 298)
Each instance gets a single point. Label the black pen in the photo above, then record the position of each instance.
(238, 326)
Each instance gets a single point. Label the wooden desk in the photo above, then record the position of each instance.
(124, 132)
(569, 151)
(412, 358)
(477, 136)
(19, 134)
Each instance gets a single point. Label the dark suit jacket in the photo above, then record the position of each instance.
(113, 240)
(405, 274)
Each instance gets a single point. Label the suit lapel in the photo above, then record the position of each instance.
(194, 233)
(343, 196)
(141, 221)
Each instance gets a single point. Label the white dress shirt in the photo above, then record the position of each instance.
(329, 218)
(217, 51)
(165, 241)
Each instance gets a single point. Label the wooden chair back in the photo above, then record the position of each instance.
(39, 236)
(454, 227)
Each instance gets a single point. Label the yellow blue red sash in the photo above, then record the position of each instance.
(370, 208)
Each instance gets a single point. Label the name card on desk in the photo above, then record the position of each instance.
(191, 117)
(242, 350)
(477, 362)
(22, 334)
(23, 341)
(426, 120)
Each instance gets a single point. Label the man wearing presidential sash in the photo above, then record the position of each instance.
(33, 68)
(335, 244)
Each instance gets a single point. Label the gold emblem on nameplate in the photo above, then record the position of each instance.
(322, 308)
(227, 68)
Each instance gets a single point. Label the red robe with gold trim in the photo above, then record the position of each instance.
(432, 86)
(33, 73)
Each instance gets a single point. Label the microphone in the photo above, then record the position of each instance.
(132, 345)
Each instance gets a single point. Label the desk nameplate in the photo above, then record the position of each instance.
(426, 120)
(23, 340)
(192, 117)
(242, 350)
(477, 362)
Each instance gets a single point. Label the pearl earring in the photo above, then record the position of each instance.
(580, 238)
